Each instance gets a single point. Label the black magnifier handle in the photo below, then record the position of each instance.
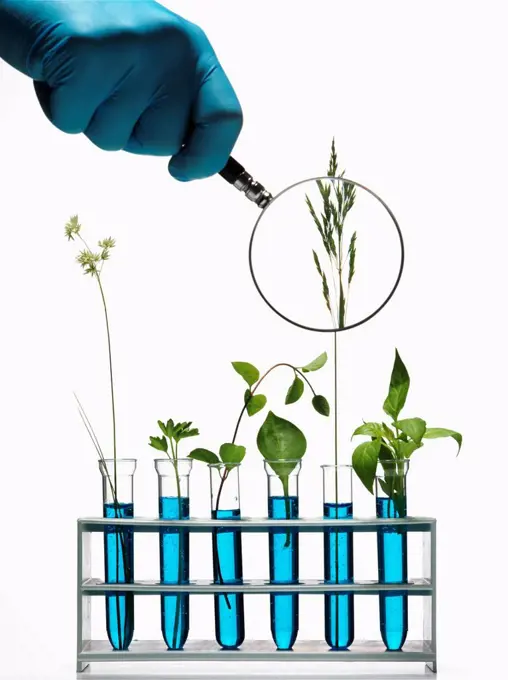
(235, 174)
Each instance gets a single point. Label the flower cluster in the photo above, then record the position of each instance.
(90, 261)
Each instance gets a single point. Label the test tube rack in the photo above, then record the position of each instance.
(93, 651)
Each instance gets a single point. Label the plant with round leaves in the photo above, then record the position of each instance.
(390, 445)
(231, 454)
(253, 402)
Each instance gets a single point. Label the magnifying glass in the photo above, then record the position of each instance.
(326, 253)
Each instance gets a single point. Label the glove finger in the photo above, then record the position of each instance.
(74, 100)
(162, 128)
(63, 108)
(113, 122)
(216, 122)
(43, 93)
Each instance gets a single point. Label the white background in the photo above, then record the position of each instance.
(414, 93)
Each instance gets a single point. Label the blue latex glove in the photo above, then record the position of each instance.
(128, 74)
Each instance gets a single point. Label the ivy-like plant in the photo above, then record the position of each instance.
(278, 440)
(391, 445)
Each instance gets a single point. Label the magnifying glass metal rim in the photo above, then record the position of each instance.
(385, 302)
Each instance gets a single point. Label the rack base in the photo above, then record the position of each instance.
(257, 650)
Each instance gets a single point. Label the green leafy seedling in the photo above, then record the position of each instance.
(391, 445)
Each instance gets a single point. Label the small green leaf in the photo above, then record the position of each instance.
(248, 372)
(162, 427)
(188, 433)
(255, 404)
(315, 365)
(159, 443)
(352, 256)
(412, 427)
(399, 387)
(170, 426)
(295, 391)
(438, 432)
(365, 458)
(231, 454)
(370, 430)
(204, 456)
(321, 405)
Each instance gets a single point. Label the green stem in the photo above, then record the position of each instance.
(178, 613)
(336, 460)
(256, 386)
(336, 413)
(335, 321)
(115, 476)
(111, 381)
(285, 488)
(215, 546)
(112, 391)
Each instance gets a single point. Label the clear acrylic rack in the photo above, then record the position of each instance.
(90, 650)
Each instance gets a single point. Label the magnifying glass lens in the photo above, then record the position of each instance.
(326, 254)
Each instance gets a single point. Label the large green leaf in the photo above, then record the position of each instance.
(248, 372)
(315, 365)
(399, 387)
(204, 456)
(159, 443)
(370, 430)
(280, 441)
(295, 391)
(365, 458)
(254, 402)
(232, 454)
(438, 432)
(321, 405)
(414, 428)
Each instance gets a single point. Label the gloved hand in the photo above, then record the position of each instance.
(129, 74)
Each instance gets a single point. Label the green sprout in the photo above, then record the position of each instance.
(172, 434)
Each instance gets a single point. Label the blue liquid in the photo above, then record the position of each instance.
(392, 566)
(119, 568)
(283, 544)
(339, 609)
(227, 554)
(174, 569)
